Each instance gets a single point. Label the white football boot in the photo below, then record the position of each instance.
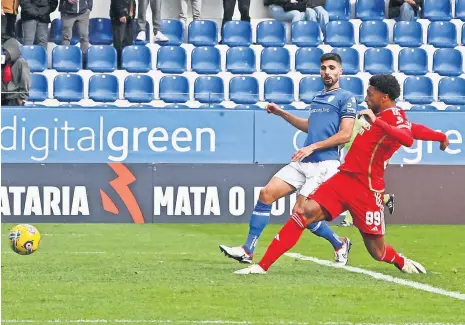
(341, 256)
(252, 269)
(411, 266)
(238, 253)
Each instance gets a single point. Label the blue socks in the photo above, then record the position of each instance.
(258, 221)
(321, 229)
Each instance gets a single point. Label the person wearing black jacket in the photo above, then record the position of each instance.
(404, 10)
(122, 16)
(35, 16)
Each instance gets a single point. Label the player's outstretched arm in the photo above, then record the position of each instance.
(298, 122)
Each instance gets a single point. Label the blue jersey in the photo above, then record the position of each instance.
(326, 113)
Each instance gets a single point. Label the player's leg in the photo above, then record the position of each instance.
(389, 201)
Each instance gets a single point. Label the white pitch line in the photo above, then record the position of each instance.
(381, 276)
(223, 322)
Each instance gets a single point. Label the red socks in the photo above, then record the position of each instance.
(390, 256)
(287, 237)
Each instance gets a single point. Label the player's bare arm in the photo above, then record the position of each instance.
(298, 122)
(422, 132)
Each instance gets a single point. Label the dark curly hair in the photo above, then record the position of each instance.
(386, 84)
(331, 56)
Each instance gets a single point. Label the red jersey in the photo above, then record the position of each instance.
(372, 147)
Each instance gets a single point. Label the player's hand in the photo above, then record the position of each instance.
(272, 108)
(303, 153)
(369, 116)
(444, 144)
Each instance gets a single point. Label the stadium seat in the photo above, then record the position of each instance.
(455, 108)
(308, 87)
(271, 33)
(460, 9)
(66, 58)
(70, 105)
(354, 85)
(448, 62)
(374, 34)
(240, 60)
(369, 9)
(171, 59)
(206, 60)
(101, 58)
(35, 105)
(211, 106)
(408, 34)
(423, 108)
(174, 30)
(437, 10)
(307, 60)
(203, 33)
(39, 88)
(36, 57)
(237, 33)
(463, 34)
(177, 106)
(279, 90)
(146, 106)
(107, 106)
(137, 58)
(68, 87)
(378, 61)
(452, 91)
(418, 90)
(275, 60)
(243, 90)
(100, 31)
(442, 34)
(103, 88)
(248, 107)
(340, 33)
(55, 33)
(209, 89)
(139, 88)
(350, 59)
(338, 9)
(413, 61)
(174, 89)
(305, 33)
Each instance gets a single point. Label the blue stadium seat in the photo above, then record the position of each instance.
(240, 60)
(378, 61)
(350, 59)
(39, 88)
(137, 58)
(418, 90)
(374, 33)
(103, 88)
(243, 90)
(408, 34)
(463, 34)
(308, 87)
(35, 105)
(442, 34)
(139, 88)
(176, 106)
(100, 31)
(452, 91)
(209, 89)
(174, 89)
(248, 107)
(171, 59)
(237, 33)
(279, 90)
(36, 57)
(174, 30)
(271, 33)
(354, 85)
(340, 33)
(143, 106)
(68, 87)
(305, 33)
(55, 32)
(460, 9)
(206, 60)
(423, 108)
(338, 9)
(448, 62)
(455, 108)
(437, 10)
(101, 58)
(203, 33)
(70, 105)
(111, 106)
(211, 106)
(413, 61)
(369, 9)
(275, 60)
(307, 60)
(66, 58)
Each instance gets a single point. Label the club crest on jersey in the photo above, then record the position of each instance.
(330, 99)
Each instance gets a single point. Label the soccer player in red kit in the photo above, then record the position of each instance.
(359, 184)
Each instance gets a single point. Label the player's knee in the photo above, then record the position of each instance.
(309, 210)
(266, 196)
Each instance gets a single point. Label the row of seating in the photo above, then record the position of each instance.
(242, 89)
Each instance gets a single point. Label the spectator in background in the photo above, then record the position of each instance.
(75, 12)
(286, 10)
(228, 11)
(16, 76)
(316, 12)
(122, 15)
(9, 12)
(155, 5)
(35, 16)
(196, 10)
(404, 10)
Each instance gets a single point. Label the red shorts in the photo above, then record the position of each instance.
(344, 192)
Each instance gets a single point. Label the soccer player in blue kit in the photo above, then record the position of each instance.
(328, 127)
